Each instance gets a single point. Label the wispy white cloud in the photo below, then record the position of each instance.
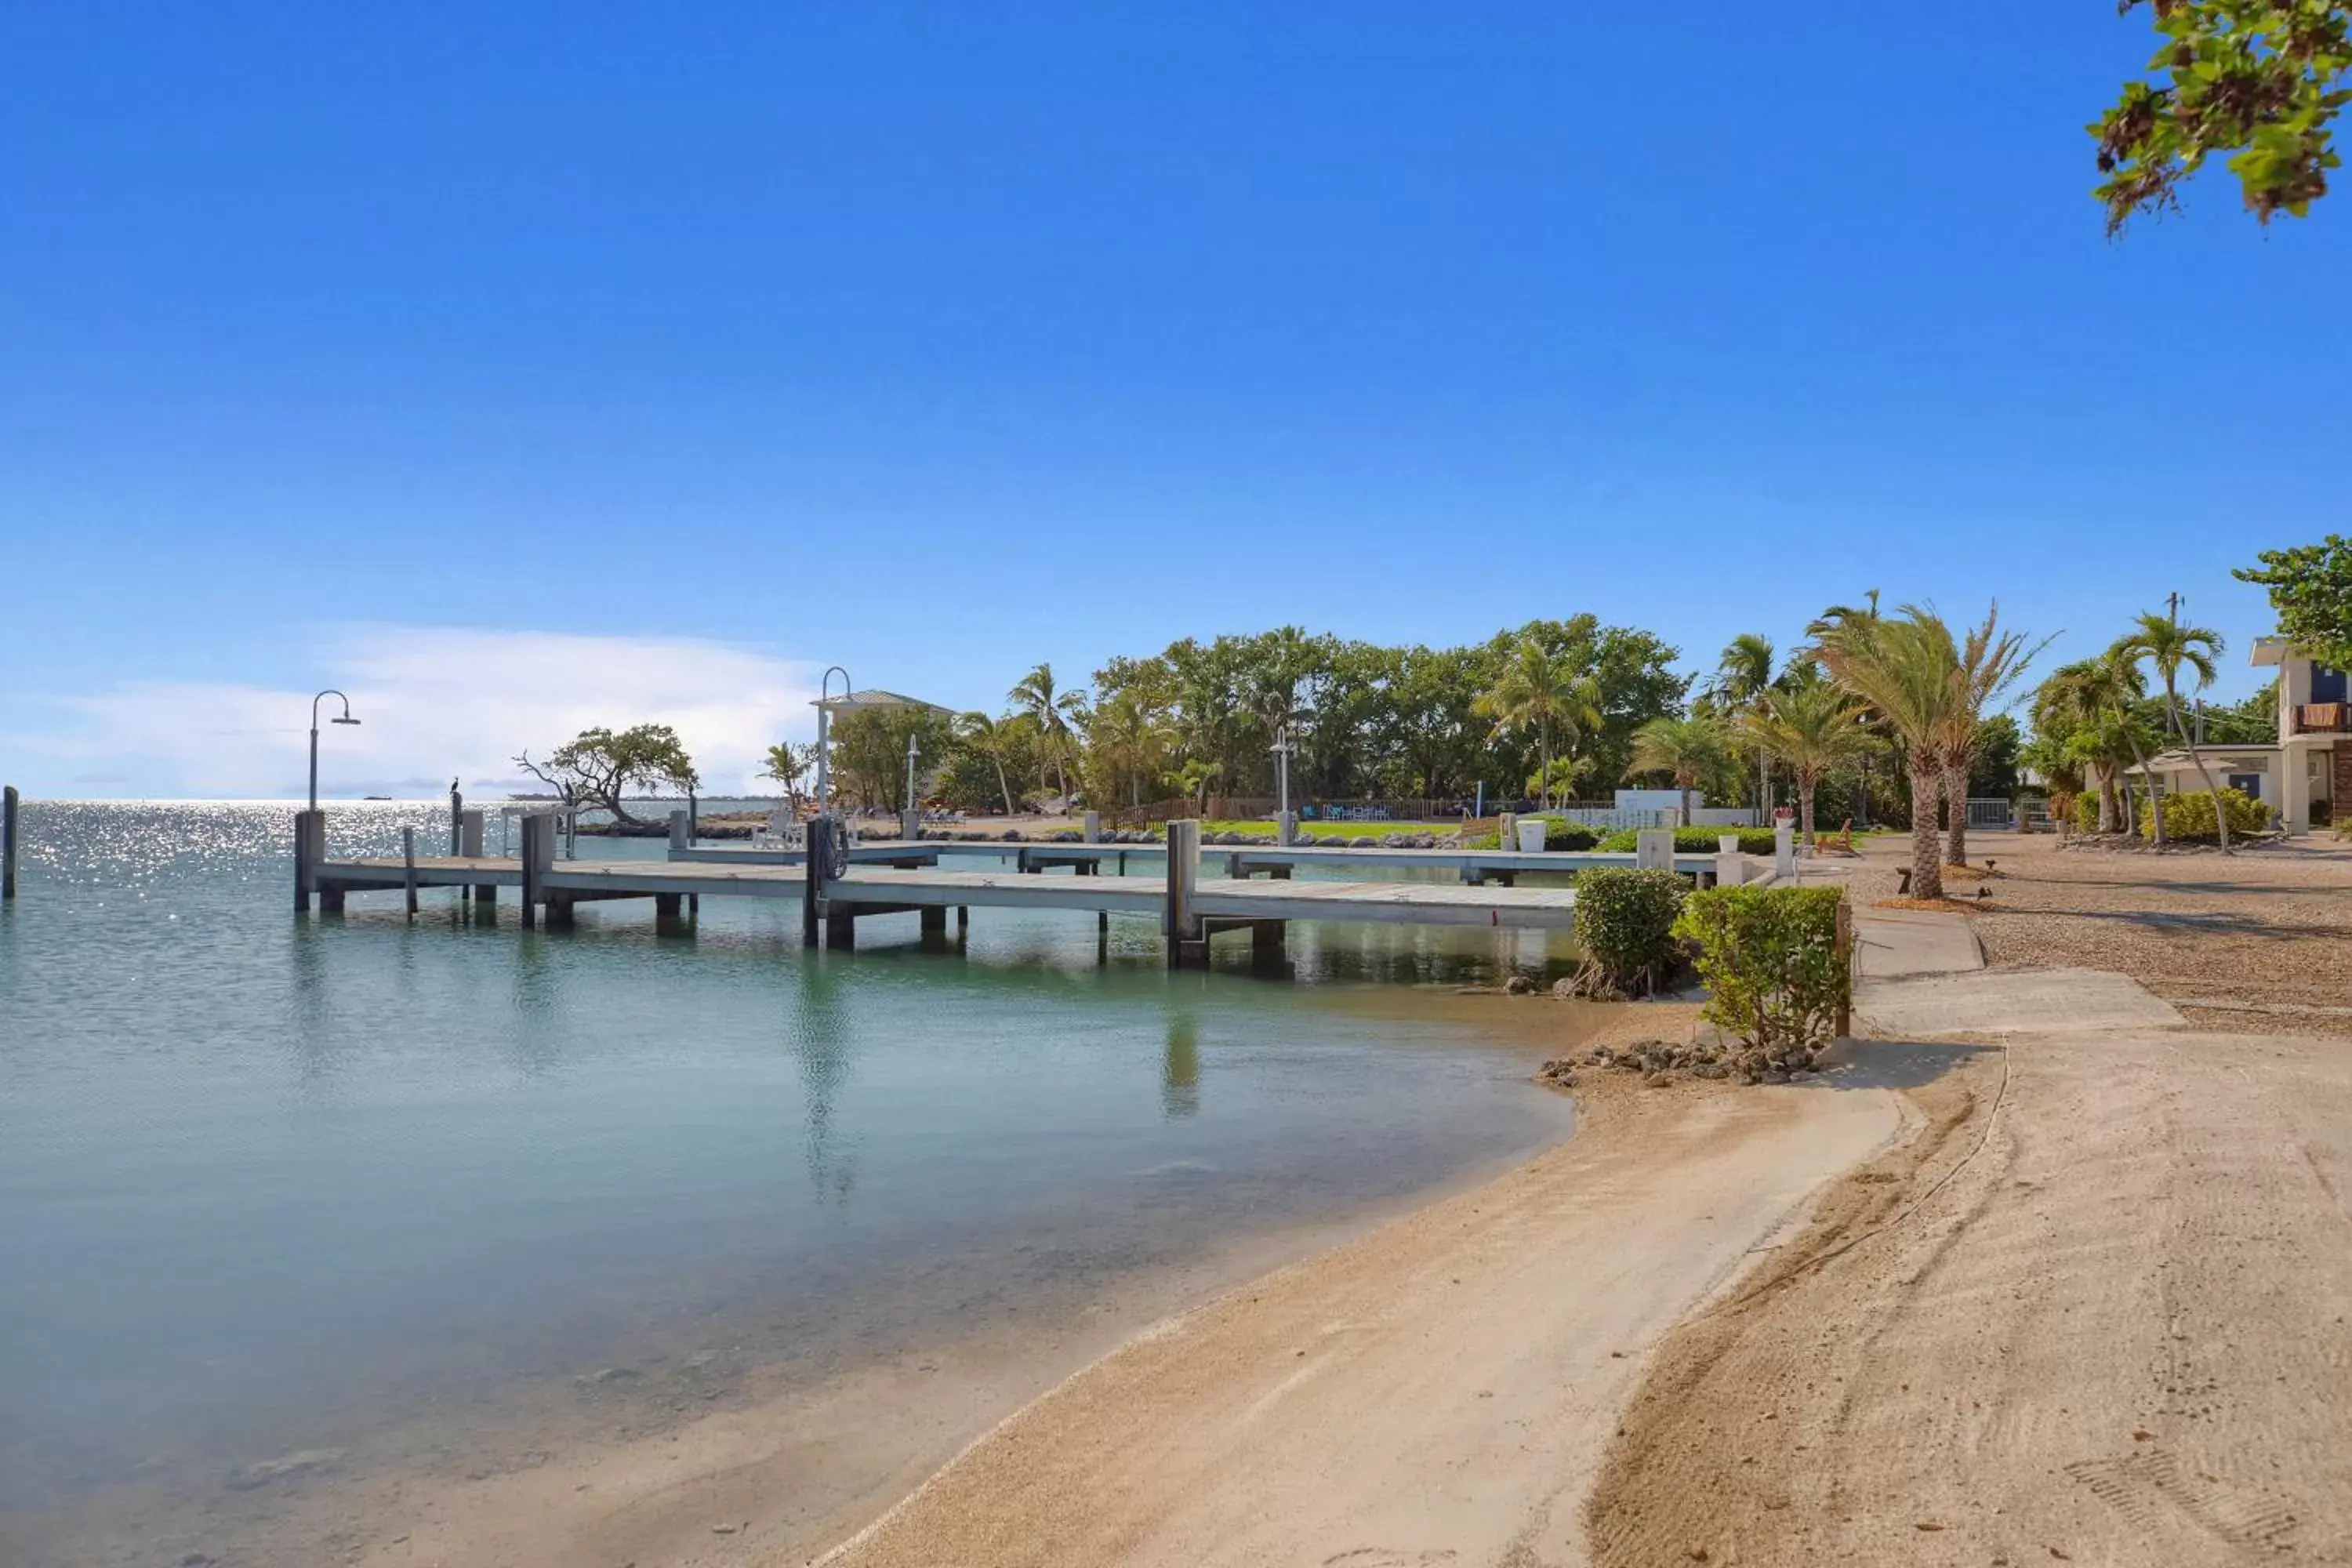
(434, 703)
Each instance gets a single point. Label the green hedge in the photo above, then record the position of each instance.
(1771, 964)
(1625, 923)
(2086, 812)
(2190, 817)
(1696, 840)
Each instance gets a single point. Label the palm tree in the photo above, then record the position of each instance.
(1545, 694)
(1742, 677)
(1128, 741)
(1934, 689)
(1993, 661)
(2168, 644)
(1688, 749)
(1052, 711)
(1812, 727)
(992, 738)
(2089, 702)
(1907, 669)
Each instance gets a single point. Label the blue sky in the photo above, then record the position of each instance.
(517, 368)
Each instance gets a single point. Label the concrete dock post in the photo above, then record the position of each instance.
(1730, 870)
(469, 847)
(1784, 852)
(1510, 840)
(1653, 849)
(1093, 830)
(310, 844)
(1285, 829)
(681, 831)
(408, 867)
(538, 858)
(8, 842)
(1188, 946)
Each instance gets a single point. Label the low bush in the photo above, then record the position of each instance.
(1775, 975)
(2190, 818)
(1696, 840)
(1625, 923)
(1562, 834)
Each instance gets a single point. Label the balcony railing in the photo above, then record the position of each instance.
(2323, 719)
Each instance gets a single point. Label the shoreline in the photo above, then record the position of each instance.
(792, 1455)
(1514, 1319)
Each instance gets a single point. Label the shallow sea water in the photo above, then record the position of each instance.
(271, 1184)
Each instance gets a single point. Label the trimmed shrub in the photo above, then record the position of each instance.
(2086, 812)
(1775, 978)
(1696, 840)
(2190, 817)
(1625, 924)
(1562, 834)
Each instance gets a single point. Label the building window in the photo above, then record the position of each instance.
(2326, 685)
(2247, 784)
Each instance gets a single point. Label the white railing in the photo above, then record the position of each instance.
(1991, 814)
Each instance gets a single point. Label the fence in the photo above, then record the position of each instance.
(1991, 813)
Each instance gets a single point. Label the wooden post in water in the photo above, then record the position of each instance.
(408, 867)
(1188, 946)
(457, 821)
(8, 843)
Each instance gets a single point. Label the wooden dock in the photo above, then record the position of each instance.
(1475, 867)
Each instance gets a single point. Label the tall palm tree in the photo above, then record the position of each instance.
(2170, 647)
(1907, 667)
(1052, 711)
(1545, 694)
(1993, 661)
(1688, 749)
(1128, 740)
(1742, 677)
(1812, 726)
(992, 738)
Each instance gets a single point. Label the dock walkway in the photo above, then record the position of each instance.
(907, 876)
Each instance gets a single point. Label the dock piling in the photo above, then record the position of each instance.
(309, 848)
(1187, 943)
(408, 867)
(8, 843)
(538, 858)
(681, 831)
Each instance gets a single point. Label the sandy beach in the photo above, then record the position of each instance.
(1441, 1391)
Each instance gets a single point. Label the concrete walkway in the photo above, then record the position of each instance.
(1922, 976)
(1891, 943)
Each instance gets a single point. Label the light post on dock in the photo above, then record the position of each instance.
(912, 754)
(1284, 829)
(823, 747)
(346, 719)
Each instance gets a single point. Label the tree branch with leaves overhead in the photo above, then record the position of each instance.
(596, 766)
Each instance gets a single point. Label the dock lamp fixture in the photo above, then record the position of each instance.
(346, 719)
(823, 733)
(912, 754)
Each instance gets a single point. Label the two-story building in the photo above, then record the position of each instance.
(2314, 737)
(2305, 775)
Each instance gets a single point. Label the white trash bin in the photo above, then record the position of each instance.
(1532, 831)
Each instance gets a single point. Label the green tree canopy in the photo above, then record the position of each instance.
(2311, 595)
(596, 766)
(2261, 81)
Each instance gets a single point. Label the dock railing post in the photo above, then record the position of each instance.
(408, 867)
(1186, 946)
(8, 843)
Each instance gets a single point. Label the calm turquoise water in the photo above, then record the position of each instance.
(269, 1183)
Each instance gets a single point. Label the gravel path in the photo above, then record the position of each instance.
(2259, 936)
